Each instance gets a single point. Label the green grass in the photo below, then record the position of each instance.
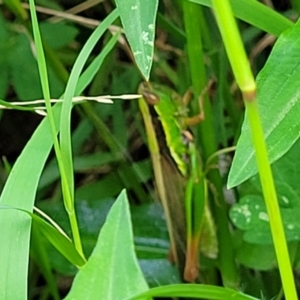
(101, 149)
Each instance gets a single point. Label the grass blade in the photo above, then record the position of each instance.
(195, 291)
(19, 191)
(256, 14)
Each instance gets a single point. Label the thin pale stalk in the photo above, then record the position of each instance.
(158, 173)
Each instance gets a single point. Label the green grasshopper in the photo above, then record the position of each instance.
(173, 114)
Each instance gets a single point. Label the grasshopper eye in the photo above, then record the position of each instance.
(150, 97)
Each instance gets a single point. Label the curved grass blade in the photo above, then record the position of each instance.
(65, 124)
(19, 191)
(256, 14)
(63, 150)
(195, 291)
(57, 238)
(67, 188)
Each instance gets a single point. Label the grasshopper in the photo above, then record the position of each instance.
(185, 199)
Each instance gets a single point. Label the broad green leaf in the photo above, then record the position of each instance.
(57, 35)
(196, 291)
(255, 256)
(150, 231)
(256, 14)
(152, 244)
(279, 106)
(112, 271)
(250, 215)
(138, 19)
(24, 72)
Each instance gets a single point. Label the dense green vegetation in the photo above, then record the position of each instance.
(142, 121)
